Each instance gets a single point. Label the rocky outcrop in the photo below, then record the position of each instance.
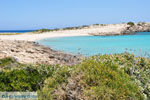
(119, 29)
(140, 27)
(31, 52)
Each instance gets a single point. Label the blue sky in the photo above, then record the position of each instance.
(36, 14)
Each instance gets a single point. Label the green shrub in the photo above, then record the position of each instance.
(42, 31)
(96, 24)
(104, 77)
(51, 84)
(23, 77)
(6, 61)
(103, 80)
(20, 80)
(130, 23)
(141, 23)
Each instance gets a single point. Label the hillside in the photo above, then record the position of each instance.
(103, 29)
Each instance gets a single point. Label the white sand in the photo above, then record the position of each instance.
(110, 29)
(35, 37)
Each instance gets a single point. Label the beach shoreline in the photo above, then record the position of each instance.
(91, 30)
(40, 36)
(26, 49)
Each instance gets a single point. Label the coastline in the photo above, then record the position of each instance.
(92, 30)
(36, 37)
(28, 52)
(25, 48)
(22, 49)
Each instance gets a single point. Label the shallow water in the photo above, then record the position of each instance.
(138, 44)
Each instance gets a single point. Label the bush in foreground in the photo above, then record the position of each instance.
(103, 80)
(107, 77)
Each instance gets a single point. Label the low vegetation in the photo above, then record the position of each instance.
(66, 28)
(44, 30)
(141, 23)
(57, 29)
(102, 77)
(11, 33)
(131, 23)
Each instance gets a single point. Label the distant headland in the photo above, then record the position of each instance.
(105, 29)
(85, 30)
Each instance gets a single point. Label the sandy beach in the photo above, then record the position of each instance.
(23, 47)
(96, 30)
(35, 37)
(111, 29)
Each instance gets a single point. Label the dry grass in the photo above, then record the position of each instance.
(11, 33)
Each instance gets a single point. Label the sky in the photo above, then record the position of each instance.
(37, 14)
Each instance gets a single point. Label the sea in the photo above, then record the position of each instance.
(138, 44)
(15, 31)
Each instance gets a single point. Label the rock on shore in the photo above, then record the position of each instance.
(139, 27)
(118, 29)
(31, 52)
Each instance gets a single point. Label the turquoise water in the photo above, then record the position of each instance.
(138, 44)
